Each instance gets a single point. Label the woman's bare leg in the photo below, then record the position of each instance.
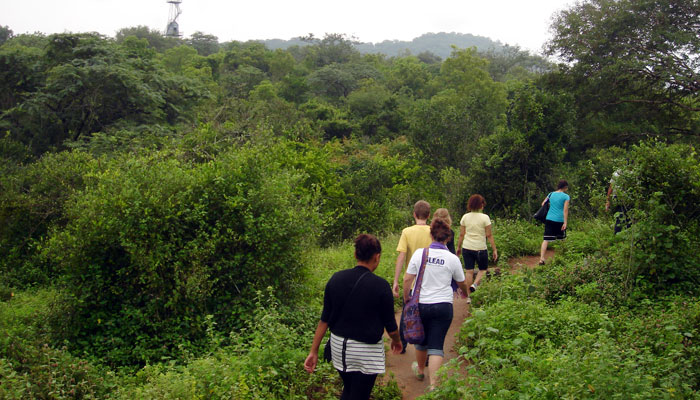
(543, 250)
(479, 276)
(421, 356)
(435, 363)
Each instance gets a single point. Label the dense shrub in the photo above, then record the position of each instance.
(157, 244)
(30, 368)
(527, 349)
(660, 186)
(263, 363)
(32, 199)
(382, 183)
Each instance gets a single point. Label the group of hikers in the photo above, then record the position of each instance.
(358, 306)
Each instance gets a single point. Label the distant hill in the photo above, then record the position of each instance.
(439, 44)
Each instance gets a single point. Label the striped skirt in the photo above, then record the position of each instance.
(353, 356)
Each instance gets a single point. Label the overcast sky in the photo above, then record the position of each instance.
(515, 22)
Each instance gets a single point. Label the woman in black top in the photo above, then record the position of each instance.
(357, 307)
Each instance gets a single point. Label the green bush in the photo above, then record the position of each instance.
(516, 237)
(156, 245)
(32, 201)
(660, 186)
(264, 362)
(31, 368)
(528, 349)
(381, 188)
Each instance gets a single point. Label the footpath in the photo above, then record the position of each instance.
(400, 364)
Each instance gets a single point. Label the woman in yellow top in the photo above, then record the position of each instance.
(475, 228)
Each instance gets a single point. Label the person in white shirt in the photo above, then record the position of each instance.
(436, 296)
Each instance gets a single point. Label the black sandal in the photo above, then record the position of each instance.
(541, 262)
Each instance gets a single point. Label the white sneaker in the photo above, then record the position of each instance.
(472, 288)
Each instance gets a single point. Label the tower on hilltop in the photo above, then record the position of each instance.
(173, 29)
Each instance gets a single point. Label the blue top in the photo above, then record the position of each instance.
(556, 206)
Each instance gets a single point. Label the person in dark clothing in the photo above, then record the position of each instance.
(357, 307)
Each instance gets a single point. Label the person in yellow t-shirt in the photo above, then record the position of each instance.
(412, 238)
(474, 230)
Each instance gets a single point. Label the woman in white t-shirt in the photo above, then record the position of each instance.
(436, 296)
(475, 228)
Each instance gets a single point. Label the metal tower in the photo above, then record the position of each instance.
(173, 29)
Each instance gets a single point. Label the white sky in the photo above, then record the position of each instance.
(515, 22)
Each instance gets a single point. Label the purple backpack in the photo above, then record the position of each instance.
(412, 325)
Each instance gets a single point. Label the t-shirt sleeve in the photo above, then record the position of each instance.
(567, 198)
(415, 262)
(487, 221)
(387, 310)
(457, 271)
(462, 221)
(327, 304)
(403, 243)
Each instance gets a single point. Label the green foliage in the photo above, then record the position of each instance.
(447, 126)
(20, 73)
(338, 80)
(264, 363)
(204, 44)
(155, 38)
(90, 84)
(409, 73)
(32, 203)
(31, 368)
(155, 245)
(660, 186)
(381, 188)
(633, 67)
(517, 163)
(516, 237)
(521, 346)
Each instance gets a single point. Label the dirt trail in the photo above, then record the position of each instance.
(400, 364)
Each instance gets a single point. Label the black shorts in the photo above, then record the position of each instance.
(552, 231)
(480, 257)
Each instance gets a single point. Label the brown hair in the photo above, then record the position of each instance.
(421, 209)
(439, 230)
(476, 202)
(443, 214)
(562, 184)
(366, 246)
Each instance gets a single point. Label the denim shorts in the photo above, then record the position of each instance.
(436, 320)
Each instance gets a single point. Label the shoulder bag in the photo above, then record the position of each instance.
(413, 330)
(541, 214)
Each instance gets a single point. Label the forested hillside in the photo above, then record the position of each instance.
(170, 209)
(435, 44)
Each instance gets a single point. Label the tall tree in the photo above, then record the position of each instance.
(633, 63)
(155, 39)
(205, 44)
(5, 34)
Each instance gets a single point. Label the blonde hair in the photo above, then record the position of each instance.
(443, 214)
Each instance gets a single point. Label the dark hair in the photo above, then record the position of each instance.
(366, 246)
(422, 209)
(476, 202)
(562, 184)
(439, 230)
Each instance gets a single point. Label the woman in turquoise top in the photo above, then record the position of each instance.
(555, 222)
